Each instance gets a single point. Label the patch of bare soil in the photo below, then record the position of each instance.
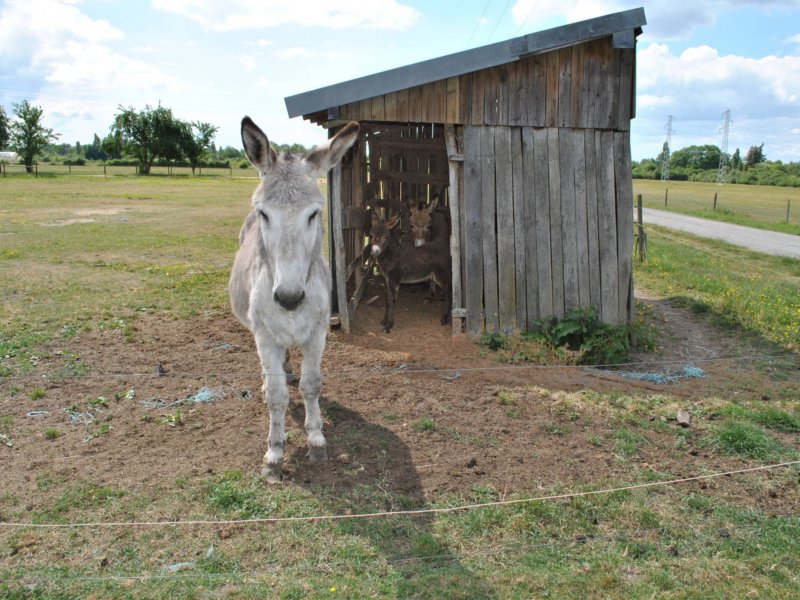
(416, 411)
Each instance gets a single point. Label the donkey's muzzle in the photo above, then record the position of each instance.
(289, 300)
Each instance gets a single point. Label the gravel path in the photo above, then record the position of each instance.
(760, 240)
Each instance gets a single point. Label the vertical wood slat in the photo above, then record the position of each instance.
(489, 230)
(577, 115)
(465, 105)
(537, 71)
(529, 229)
(551, 100)
(477, 104)
(502, 92)
(557, 252)
(452, 101)
(415, 104)
(625, 88)
(581, 218)
(569, 237)
(613, 87)
(506, 255)
(338, 242)
(473, 217)
(591, 69)
(378, 108)
(454, 196)
(491, 84)
(520, 232)
(595, 296)
(564, 87)
(428, 103)
(390, 106)
(439, 112)
(607, 225)
(402, 106)
(624, 197)
(541, 197)
(517, 93)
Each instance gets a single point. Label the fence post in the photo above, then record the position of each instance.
(666, 195)
(715, 201)
(105, 175)
(641, 242)
(36, 170)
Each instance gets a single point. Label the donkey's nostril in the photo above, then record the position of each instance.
(289, 300)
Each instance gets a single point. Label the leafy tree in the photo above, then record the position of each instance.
(147, 135)
(28, 136)
(95, 150)
(5, 134)
(197, 141)
(736, 161)
(696, 157)
(755, 155)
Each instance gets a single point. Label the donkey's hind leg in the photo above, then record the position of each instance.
(277, 397)
(310, 387)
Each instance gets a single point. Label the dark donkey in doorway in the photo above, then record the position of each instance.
(406, 263)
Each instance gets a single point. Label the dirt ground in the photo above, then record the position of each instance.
(415, 411)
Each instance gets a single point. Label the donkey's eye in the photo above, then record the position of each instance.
(264, 216)
(313, 216)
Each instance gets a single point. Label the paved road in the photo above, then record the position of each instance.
(760, 240)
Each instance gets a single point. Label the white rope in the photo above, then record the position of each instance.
(400, 513)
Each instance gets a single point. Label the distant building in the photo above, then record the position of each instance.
(9, 156)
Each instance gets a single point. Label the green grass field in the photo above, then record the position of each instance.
(758, 206)
(78, 253)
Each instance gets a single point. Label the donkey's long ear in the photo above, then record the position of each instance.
(257, 146)
(328, 154)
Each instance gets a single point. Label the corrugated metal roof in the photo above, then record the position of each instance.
(460, 63)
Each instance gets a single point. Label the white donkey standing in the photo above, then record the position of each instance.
(280, 286)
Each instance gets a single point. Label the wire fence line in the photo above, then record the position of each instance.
(248, 577)
(399, 513)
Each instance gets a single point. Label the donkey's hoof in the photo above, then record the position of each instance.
(317, 454)
(388, 328)
(272, 473)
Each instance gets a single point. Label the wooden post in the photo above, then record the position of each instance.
(69, 169)
(36, 170)
(666, 196)
(641, 242)
(335, 191)
(788, 208)
(105, 174)
(455, 162)
(231, 170)
(715, 201)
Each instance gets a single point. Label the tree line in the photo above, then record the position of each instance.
(147, 136)
(701, 163)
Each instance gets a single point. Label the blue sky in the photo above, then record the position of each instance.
(216, 61)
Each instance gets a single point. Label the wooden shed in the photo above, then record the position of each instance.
(528, 143)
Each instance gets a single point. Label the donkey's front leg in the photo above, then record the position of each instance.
(310, 386)
(277, 397)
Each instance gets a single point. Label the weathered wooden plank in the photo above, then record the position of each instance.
(506, 255)
(473, 238)
(454, 202)
(551, 101)
(613, 86)
(625, 88)
(439, 112)
(378, 113)
(390, 106)
(452, 101)
(531, 263)
(516, 108)
(581, 219)
(577, 116)
(537, 69)
(595, 295)
(569, 238)
(607, 226)
(402, 106)
(520, 232)
(503, 93)
(564, 87)
(491, 96)
(477, 105)
(588, 87)
(489, 230)
(557, 251)
(415, 104)
(465, 98)
(428, 103)
(624, 188)
(541, 201)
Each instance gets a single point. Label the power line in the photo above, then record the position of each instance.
(499, 20)
(478, 24)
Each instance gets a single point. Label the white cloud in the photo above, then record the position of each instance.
(666, 19)
(295, 52)
(248, 61)
(230, 15)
